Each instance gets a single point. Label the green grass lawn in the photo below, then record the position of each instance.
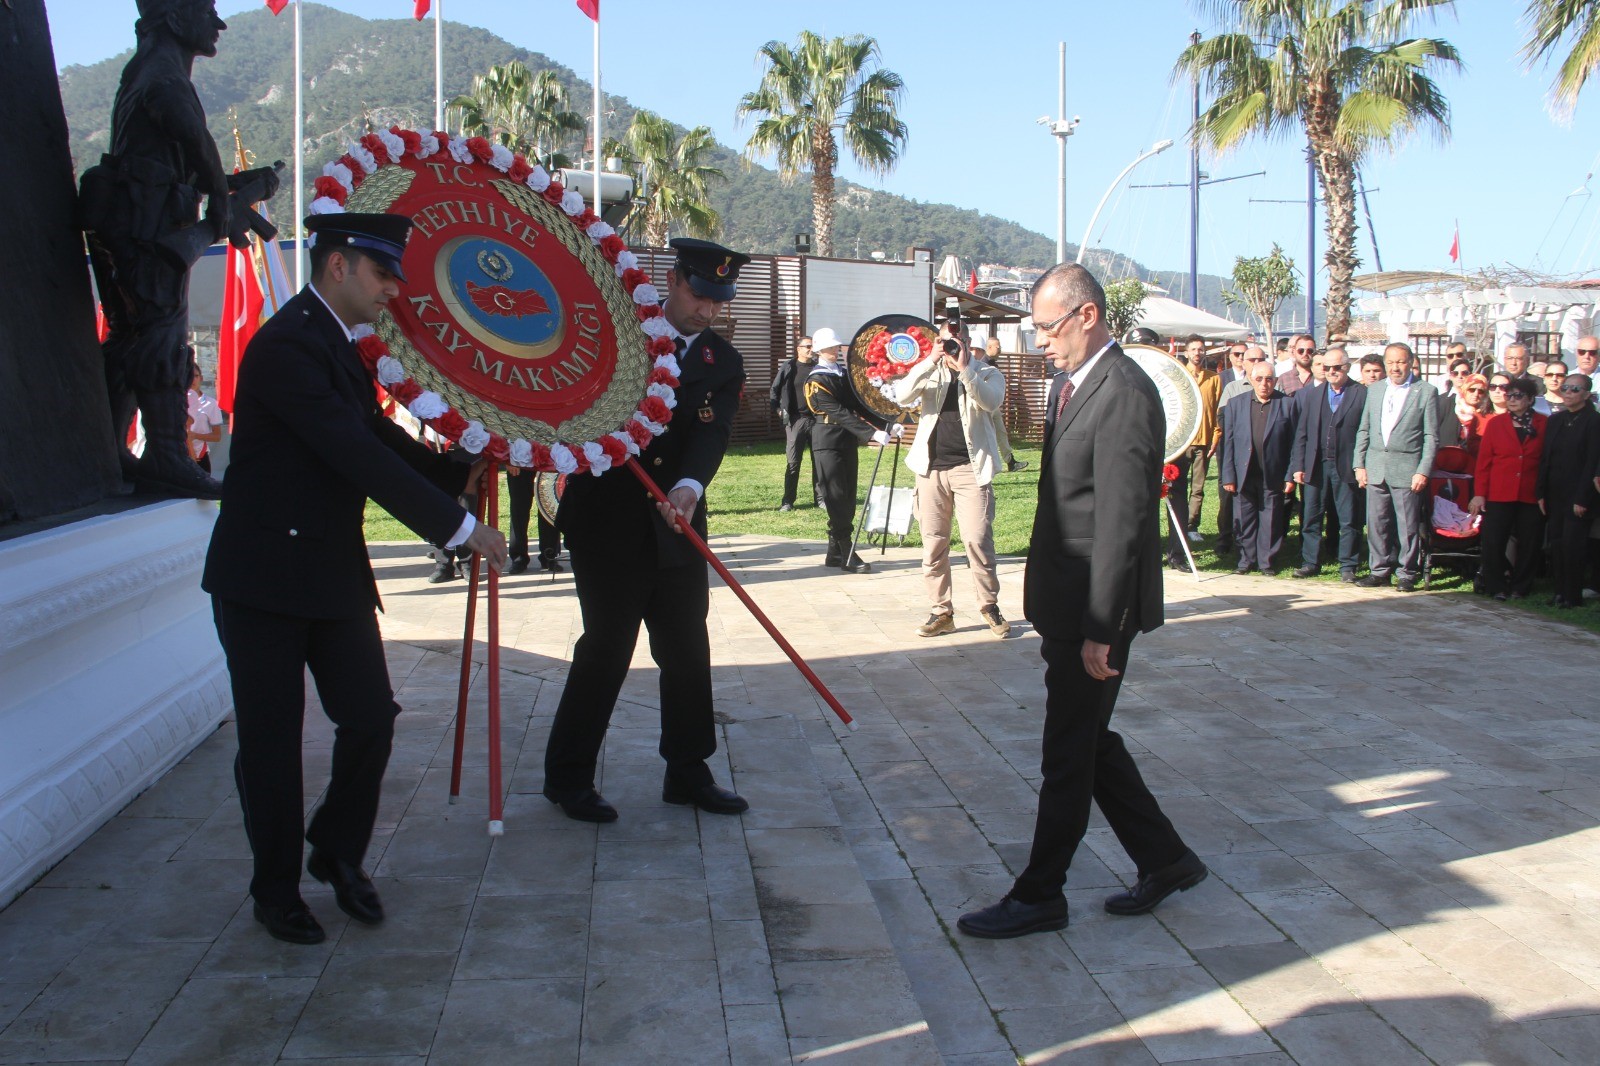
(744, 498)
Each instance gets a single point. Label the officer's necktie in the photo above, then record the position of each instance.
(678, 347)
(1063, 399)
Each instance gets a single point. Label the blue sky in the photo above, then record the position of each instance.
(978, 76)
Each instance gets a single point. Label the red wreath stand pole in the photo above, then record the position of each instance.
(738, 590)
(488, 497)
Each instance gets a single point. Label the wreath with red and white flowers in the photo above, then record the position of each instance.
(649, 420)
(885, 369)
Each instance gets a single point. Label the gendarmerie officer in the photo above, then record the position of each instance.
(842, 426)
(632, 566)
(289, 577)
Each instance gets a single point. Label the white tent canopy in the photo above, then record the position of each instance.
(1572, 313)
(1170, 318)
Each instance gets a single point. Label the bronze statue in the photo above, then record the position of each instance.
(141, 209)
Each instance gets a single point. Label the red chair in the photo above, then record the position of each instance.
(1451, 479)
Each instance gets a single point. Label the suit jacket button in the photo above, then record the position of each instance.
(294, 532)
(657, 460)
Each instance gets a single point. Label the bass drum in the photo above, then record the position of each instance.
(547, 489)
(881, 353)
(1180, 396)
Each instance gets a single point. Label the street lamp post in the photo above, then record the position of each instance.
(1154, 150)
(1061, 129)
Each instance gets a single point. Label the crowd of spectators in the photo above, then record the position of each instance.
(1503, 459)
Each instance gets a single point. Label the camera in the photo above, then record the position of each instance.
(952, 324)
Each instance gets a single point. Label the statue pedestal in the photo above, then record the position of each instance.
(110, 672)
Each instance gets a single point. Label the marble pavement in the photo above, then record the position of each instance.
(1397, 797)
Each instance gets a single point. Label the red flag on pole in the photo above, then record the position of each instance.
(1455, 246)
(972, 282)
(241, 316)
(590, 8)
(420, 10)
(277, 6)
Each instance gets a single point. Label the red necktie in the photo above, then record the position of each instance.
(1064, 398)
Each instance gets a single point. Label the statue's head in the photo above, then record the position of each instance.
(192, 23)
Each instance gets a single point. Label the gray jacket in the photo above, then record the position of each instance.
(1411, 446)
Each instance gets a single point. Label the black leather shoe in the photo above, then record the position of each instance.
(294, 924)
(1348, 577)
(1373, 581)
(518, 565)
(785, 506)
(552, 567)
(856, 565)
(587, 806)
(1011, 918)
(1150, 890)
(709, 797)
(1241, 570)
(1308, 571)
(443, 572)
(352, 888)
(1406, 586)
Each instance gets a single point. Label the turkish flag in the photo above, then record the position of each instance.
(1455, 246)
(590, 8)
(241, 316)
(972, 282)
(277, 6)
(420, 10)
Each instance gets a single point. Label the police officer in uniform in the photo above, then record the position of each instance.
(631, 565)
(288, 572)
(842, 426)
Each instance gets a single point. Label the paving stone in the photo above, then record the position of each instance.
(1181, 1013)
(226, 1020)
(509, 1022)
(526, 938)
(668, 1013)
(1335, 1039)
(373, 1005)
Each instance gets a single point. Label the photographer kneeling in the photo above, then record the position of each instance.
(955, 457)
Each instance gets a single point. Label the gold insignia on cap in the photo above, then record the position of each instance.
(722, 271)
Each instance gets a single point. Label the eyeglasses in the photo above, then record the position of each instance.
(1573, 390)
(1050, 329)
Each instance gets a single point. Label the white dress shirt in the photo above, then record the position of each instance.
(1394, 398)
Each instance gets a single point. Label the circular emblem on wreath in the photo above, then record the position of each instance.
(902, 348)
(527, 330)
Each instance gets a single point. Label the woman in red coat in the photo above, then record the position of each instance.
(1507, 491)
(1464, 414)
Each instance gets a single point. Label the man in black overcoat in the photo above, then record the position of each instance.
(787, 397)
(288, 572)
(631, 565)
(1323, 464)
(1569, 485)
(1093, 581)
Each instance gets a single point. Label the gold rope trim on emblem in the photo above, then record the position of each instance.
(633, 363)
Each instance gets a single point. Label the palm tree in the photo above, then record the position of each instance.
(1551, 21)
(674, 177)
(522, 110)
(809, 91)
(1338, 71)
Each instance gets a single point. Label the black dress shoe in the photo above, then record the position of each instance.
(1151, 889)
(1348, 577)
(552, 567)
(587, 806)
(1241, 570)
(709, 797)
(294, 924)
(352, 888)
(1012, 918)
(1308, 571)
(443, 572)
(1406, 586)
(518, 565)
(1373, 581)
(785, 506)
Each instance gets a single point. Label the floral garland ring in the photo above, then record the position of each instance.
(649, 420)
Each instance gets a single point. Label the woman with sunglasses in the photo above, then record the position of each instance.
(1507, 492)
(1497, 392)
(1465, 411)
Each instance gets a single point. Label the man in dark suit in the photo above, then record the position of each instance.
(289, 577)
(1257, 439)
(788, 397)
(1093, 581)
(1323, 464)
(631, 564)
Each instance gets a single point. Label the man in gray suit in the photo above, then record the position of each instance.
(1395, 445)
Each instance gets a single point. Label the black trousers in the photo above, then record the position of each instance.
(267, 658)
(1178, 493)
(1323, 493)
(1260, 522)
(519, 488)
(616, 594)
(1083, 760)
(837, 471)
(1225, 521)
(797, 441)
(1503, 523)
(1569, 549)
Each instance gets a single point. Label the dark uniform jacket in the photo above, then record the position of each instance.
(612, 512)
(842, 423)
(309, 446)
(1571, 459)
(1094, 560)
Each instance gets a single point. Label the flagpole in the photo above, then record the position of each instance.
(299, 162)
(598, 150)
(438, 64)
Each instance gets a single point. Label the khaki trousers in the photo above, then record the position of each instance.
(942, 494)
